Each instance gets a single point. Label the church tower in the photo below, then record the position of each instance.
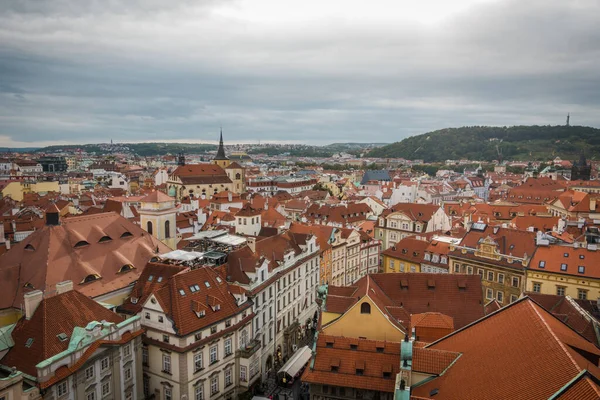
(221, 159)
(158, 217)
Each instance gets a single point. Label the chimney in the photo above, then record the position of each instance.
(65, 286)
(32, 301)
(229, 196)
(592, 204)
(251, 242)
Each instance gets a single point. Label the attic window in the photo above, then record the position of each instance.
(379, 348)
(29, 247)
(329, 344)
(90, 278)
(125, 234)
(353, 347)
(28, 285)
(182, 292)
(563, 267)
(430, 284)
(462, 286)
(194, 288)
(201, 313)
(105, 239)
(542, 264)
(581, 269)
(404, 284)
(159, 279)
(207, 284)
(81, 243)
(29, 343)
(126, 268)
(581, 256)
(566, 255)
(62, 337)
(150, 278)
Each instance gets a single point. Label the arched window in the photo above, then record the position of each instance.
(167, 229)
(365, 308)
(149, 227)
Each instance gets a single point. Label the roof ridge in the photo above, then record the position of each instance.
(553, 335)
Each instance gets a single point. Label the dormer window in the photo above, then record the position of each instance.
(125, 268)
(29, 247)
(126, 234)
(104, 239)
(90, 278)
(81, 243)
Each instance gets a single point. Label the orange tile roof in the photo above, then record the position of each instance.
(584, 388)
(49, 256)
(338, 353)
(212, 290)
(431, 320)
(157, 197)
(552, 259)
(522, 346)
(409, 248)
(55, 315)
(432, 361)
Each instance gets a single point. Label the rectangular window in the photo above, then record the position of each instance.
(582, 294)
(62, 389)
(563, 267)
(560, 290)
(213, 354)
(214, 385)
(457, 268)
(470, 270)
(198, 336)
(91, 396)
(513, 298)
(243, 373)
(537, 287)
(166, 338)
(489, 294)
(145, 357)
(167, 363)
(168, 393)
(104, 364)
(542, 264)
(480, 272)
(227, 377)
(106, 388)
(126, 350)
(199, 392)
(198, 362)
(500, 297)
(89, 372)
(581, 269)
(515, 281)
(128, 374)
(490, 276)
(501, 278)
(227, 347)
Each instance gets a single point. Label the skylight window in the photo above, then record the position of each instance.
(159, 279)
(29, 343)
(207, 284)
(219, 280)
(182, 292)
(62, 337)
(563, 267)
(194, 288)
(150, 278)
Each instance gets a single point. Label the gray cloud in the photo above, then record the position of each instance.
(83, 71)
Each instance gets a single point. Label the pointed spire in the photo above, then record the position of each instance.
(221, 151)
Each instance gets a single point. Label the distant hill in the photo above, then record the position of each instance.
(485, 143)
(140, 149)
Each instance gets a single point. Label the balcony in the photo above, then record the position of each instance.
(252, 347)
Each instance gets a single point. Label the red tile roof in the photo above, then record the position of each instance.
(551, 259)
(181, 309)
(157, 197)
(365, 357)
(520, 351)
(73, 251)
(432, 361)
(55, 315)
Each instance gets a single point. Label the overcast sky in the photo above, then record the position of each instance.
(311, 71)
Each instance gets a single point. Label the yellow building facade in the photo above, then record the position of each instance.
(357, 323)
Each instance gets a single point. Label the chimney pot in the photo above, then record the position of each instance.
(32, 301)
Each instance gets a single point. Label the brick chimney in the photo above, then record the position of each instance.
(65, 286)
(32, 301)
